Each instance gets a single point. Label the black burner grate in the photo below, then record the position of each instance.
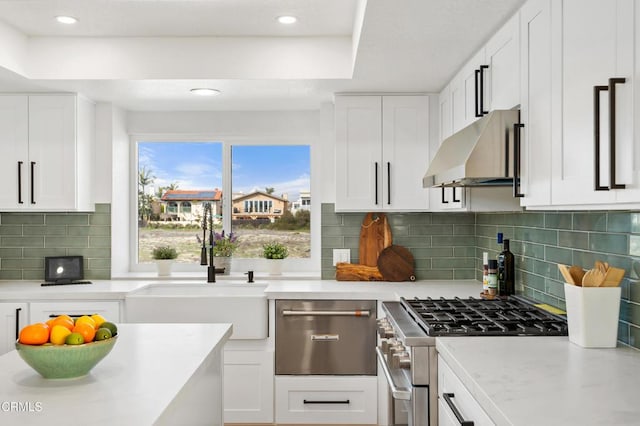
(480, 317)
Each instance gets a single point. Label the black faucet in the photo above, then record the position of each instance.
(249, 276)
(207, 224)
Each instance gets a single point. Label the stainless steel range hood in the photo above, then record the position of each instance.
(476, 155)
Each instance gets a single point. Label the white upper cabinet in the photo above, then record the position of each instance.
(47, 154)
(502, 54)
(595, 154)
(467, 89)
(536, 106)
(382, 150)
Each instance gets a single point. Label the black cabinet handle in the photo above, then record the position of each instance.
(73, 315)
(455, 200)
(388, 183)
(482, 111)
(18, 323)
(33, 166)
(376, 176)
(20, 182)
(516, 160)
(596, 136)
(612, 131)
(310, 401)
(443, 200)
(477, 94)
(454, 409)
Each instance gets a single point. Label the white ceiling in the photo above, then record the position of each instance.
(401, 45)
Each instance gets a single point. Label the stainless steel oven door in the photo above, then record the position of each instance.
(413, 399)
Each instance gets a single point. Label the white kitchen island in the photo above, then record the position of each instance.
(162, 374)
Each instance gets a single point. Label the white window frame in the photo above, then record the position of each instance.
(309, 266)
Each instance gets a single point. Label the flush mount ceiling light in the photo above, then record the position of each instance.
(66, 19)
(204, 91)
(287, 19)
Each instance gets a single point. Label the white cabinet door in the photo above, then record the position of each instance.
(474, 78)
(248, 386)
(405, 152)
(536, 106)
(503, 57)
(14, 151)
(596, 40)
(42, 311)
(358, 122)
(13, 316)
(52, 152)
(458, 103)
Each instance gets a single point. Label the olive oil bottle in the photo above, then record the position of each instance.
(506, 271)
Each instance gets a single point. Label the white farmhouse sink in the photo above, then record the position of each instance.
(239, 303)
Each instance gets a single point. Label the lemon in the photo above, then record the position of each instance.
(59, 334)
(98, 319)
(86, 319)
(111, 326)
(103, 334)
(74, 339)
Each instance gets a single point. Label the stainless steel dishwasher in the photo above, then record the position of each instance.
(336, 337)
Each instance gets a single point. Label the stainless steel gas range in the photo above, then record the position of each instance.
(408, 331)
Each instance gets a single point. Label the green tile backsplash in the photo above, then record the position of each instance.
(26, 239)
(450, 246)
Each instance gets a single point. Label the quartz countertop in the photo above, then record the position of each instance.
(546, 380)
(132, 385)
(276, 289)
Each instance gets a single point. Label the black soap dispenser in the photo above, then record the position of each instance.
(506, 269)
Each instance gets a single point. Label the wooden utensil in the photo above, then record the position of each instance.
(375, 236)
(354, 272)
(577, 273)
(593, 278)
(613, 277)
(396, 263)
(564, 270)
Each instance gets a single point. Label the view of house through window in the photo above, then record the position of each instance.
(270, 200)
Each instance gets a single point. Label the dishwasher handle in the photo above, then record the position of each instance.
(356, 313)
(397, 393)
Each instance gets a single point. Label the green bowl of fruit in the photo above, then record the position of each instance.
(59, 354)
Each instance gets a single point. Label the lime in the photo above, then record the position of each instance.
(111, 326)
(103, 334)
(74, 339)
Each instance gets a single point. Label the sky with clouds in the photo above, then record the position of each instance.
(198, 165)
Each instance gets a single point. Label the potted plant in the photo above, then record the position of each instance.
(275, 252)
(164, 257)
(223, 248)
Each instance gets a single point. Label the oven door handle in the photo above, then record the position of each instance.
(356, 313)
(398, 393)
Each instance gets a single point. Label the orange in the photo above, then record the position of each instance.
(63, 320)
(34, 334)
(86, 319)
(87, 331)
(58, 334)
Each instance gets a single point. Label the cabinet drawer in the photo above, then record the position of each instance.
(42, 311)
(465, 403)
(337, 400)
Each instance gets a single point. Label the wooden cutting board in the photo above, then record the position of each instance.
(375, 236)
(396, 263)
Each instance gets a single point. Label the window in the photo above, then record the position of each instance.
(176, 180)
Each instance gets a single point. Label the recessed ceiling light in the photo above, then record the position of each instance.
(204, 91)
(66, 19)
(286, 19)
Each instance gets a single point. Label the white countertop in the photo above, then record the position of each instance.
(132, 385)
(276, 289)
(546, 380)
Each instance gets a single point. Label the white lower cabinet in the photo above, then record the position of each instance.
(13, 316)
(248, 385)
(454, 400)
(42, 311)
(328, 400)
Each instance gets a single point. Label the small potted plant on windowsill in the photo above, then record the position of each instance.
(275, 252)
(164, 257)
(223, 248)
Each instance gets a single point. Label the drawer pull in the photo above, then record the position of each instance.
(325, 337)
(311, 401)
(72, 316)
(448, 399)
(356, 313)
